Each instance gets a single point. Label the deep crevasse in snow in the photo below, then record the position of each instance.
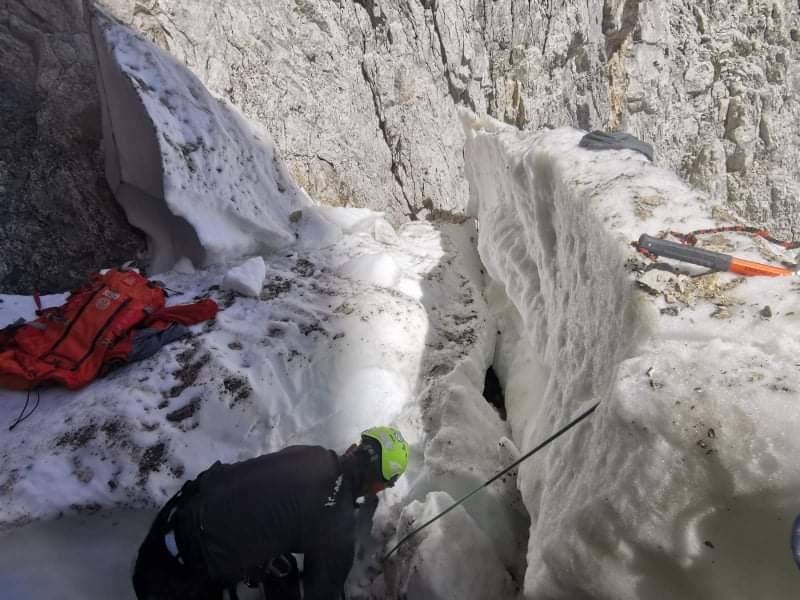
(684, 482)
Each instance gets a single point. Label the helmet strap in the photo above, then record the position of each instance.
(372, 451)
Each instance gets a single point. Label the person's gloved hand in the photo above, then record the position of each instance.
(281, 578)
(283, 566)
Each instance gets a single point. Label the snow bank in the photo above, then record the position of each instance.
(188, 169)
(378, 269)
(452, 558)
(316, 358)
(462, 441)
(684, 482)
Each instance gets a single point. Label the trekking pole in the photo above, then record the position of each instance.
(706, 258)
(556, 435)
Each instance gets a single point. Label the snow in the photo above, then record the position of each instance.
(49, 559)
(438, 563)
(684, 482)
(184, 266)
(317, 357)
(247, 278)
(377, 269)
(13, 308)
(220, 189)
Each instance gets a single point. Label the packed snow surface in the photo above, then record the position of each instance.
(685, 481)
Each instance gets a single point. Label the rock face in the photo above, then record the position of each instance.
(361, 95)
(58, 220)
(714, 85)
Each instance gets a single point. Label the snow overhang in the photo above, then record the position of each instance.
(191, 172)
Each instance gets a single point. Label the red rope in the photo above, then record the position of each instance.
(691, 237)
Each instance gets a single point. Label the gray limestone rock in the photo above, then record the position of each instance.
(361, 96)
(721, 80)
(58, 219)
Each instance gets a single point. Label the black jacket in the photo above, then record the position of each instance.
(301, 500)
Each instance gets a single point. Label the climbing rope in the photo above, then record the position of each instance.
(691, 237)
(553, 437)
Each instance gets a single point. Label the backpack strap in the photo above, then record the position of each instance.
(22, 416)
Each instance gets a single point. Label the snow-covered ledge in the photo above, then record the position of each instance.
(684, 482)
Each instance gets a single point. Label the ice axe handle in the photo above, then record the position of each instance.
(696, 256)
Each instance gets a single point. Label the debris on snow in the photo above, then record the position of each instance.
(657, 281)
(246, 279)
(184, 266)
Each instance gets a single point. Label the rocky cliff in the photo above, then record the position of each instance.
(361, 95)
(58, 219)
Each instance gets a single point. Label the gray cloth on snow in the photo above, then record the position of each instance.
(600, 140)
(146, 342)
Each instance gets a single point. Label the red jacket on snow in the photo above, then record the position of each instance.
(96, 327)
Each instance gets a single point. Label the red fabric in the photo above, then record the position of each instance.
(70, 343)
(185, 314)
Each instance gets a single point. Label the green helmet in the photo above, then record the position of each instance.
(394, 451)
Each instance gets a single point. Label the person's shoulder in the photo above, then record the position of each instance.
(307, 449)
(318, 454)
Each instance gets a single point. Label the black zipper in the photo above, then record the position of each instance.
(99, 333)
(71, 323)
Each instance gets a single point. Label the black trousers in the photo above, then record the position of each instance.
(281, 579)
(158, 575)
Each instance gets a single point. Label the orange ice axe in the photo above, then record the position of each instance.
(715, 261)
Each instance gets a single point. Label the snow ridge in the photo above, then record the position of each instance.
(683, 479)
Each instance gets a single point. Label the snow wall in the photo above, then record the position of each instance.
(684, 482)
(198, 178)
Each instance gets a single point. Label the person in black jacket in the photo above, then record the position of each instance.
(241, 522)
